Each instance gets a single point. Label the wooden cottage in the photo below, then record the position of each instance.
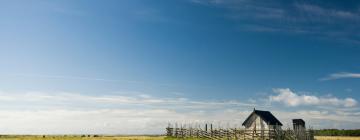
(261, 123)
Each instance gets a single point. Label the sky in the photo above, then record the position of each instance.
(133, 66)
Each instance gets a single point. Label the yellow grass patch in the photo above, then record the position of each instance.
(336, 138)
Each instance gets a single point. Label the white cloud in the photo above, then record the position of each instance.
(73, 113)
(290, 98)
(104, 121)
(42, 100)
(341, 75)
(149, 121)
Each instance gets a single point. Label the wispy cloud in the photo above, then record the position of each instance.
(96, 121)
(324, 12)
(303, 18)
(290, 98)
(150, 121)
(76, 100)
(111, 121)
(70, 77)
(74, 113)
(341, 75)
(140, 113)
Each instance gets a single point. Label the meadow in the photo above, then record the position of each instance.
(336, 138)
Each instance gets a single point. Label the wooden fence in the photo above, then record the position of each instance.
(237, 134)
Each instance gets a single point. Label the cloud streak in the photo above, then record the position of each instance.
(42, 100)
(293, 17)
(341, 75)
(319, 11)
(290, 98)
(148, 121)
(74, 113)
(67, 77)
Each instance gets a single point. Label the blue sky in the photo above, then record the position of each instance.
(175, 60)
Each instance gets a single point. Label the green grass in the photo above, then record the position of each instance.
(336, 138)
(174, 138)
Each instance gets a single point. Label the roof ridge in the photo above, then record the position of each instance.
(267, 116)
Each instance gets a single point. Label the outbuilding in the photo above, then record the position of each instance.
(261, 123)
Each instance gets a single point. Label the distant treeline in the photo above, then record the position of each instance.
(337, 132)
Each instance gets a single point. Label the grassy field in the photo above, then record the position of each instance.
(336, 138)
(134, 138)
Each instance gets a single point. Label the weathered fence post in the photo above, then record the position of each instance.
(211, 130)
(235, 134)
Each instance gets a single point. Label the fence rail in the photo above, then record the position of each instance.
(238, 134)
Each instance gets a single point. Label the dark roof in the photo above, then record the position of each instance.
(298, 121)
(266, 116)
